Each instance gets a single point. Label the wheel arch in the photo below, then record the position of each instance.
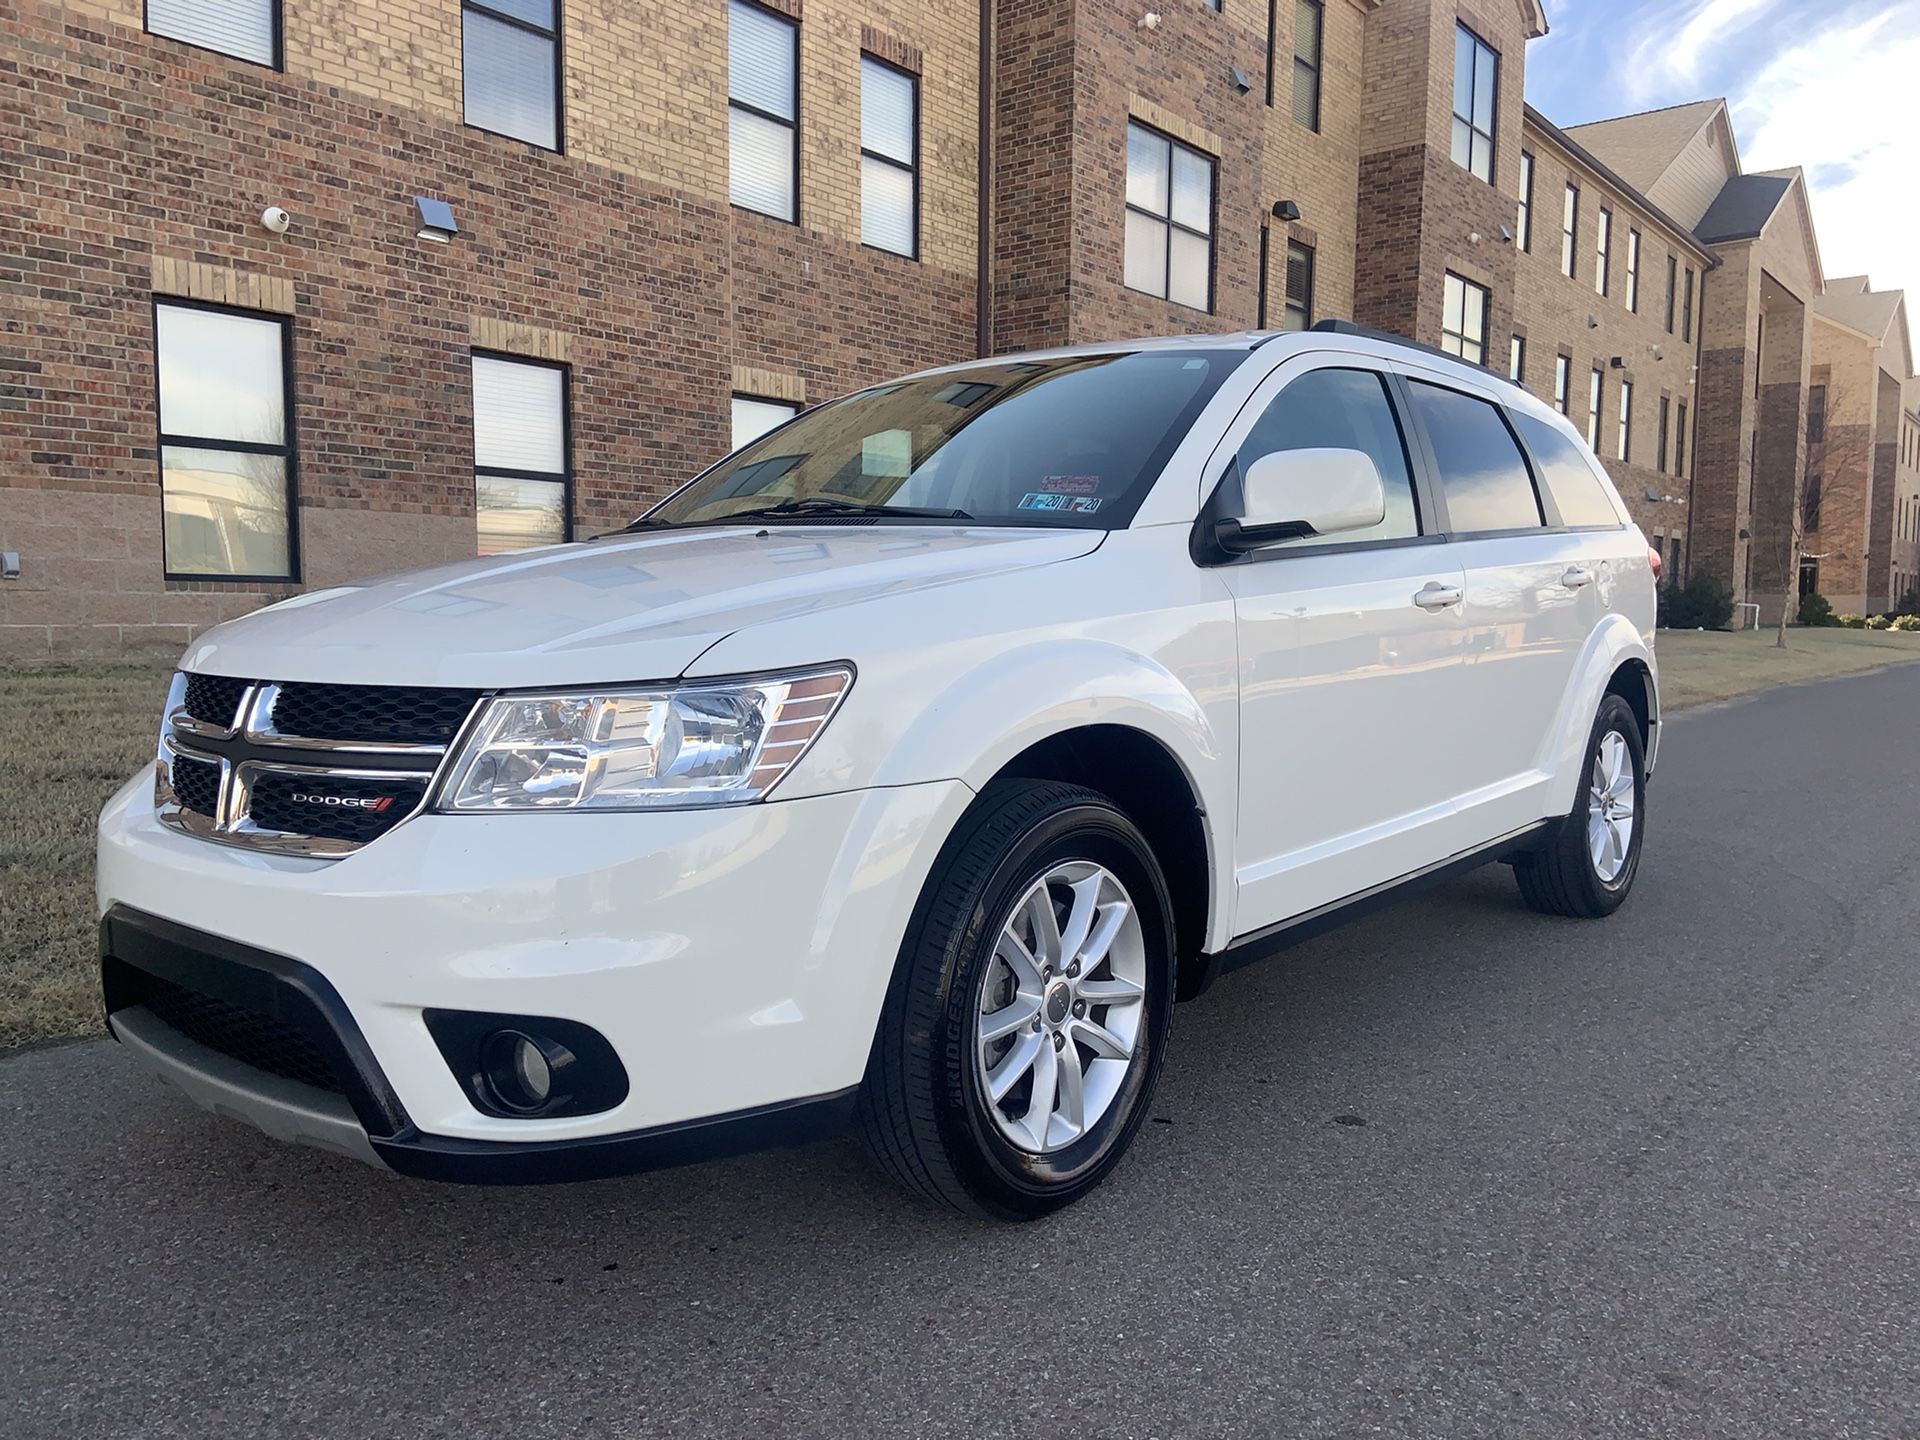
(1143, 776)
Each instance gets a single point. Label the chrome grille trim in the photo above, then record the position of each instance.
(260, 729)
(235, 752)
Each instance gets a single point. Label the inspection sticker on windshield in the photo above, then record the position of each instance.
(1070, 504)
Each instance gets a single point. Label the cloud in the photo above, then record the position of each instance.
(1840, 106)
(1674, 47)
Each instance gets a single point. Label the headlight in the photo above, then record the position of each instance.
(720, 743)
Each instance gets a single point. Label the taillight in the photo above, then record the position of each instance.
(1653, 560)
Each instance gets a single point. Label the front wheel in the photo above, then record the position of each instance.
(1588, 862)
(1028, 1013)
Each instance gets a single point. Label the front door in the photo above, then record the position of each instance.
(1352, 666)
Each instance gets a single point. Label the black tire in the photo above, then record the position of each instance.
(922, 1111)
(1560, 878)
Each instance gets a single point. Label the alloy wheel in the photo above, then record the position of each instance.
(1611, 803)
(1061, 1007)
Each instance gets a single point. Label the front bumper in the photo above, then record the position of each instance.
(735, 959)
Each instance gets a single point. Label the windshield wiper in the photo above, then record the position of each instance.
(829, 505)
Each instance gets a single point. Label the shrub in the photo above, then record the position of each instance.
(1816, 609)
(1907, 624)
(1853, 622)
(1879, 622)
(1703, 603)
(1907, 604)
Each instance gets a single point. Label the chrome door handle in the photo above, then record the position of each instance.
(1435, 596)
(1576, 577)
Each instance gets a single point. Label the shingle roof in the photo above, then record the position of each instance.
(1870, 312)
(1743, 207)
(1641, 147)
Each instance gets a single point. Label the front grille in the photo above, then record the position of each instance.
(196, 783)
(312, 769)
(372, 714)
(299, 804)
(214, 699)
(242, 1034)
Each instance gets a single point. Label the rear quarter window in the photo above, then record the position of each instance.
(1568, 474)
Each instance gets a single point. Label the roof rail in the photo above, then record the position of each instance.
(1387, 337)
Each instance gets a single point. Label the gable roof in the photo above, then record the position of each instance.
(1743, 207)
(1564, 139)
(1641, 148)
(1869, 312)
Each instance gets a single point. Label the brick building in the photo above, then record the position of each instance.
(545, 258)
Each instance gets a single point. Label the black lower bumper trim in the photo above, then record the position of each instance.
(601, 1157)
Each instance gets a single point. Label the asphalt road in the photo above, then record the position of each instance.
(1456, 1170)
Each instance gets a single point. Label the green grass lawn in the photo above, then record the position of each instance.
(69, 734)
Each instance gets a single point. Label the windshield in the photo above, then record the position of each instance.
(1069, 442)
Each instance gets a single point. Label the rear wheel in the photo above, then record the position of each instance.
(1028, 1014)
(1588, 863)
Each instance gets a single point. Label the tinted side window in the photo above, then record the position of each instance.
(1567, 474)
(1482, 472)
(1341, 410)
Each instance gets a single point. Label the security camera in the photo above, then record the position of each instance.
(275, 219)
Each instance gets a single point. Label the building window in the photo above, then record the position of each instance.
(1816, 414)
(510, 64)
(1299, 312)
(244, 29)
(226, 443)
(889, 156)
(1626, 420)
(1475, 93)
(1810, 505)
(1306, 63)
(1517, 358)
(1666, 429)
(1463, 325)
(1525, 227)
(1593, 410)
(1680, 440)
(519, 453)
(1686, 307)
(1633, 271)
(754, 417)
(1562, 382)
(763, 91)
(1169, 219)
(1569, 222)
(1673, 282)
(1603, 253)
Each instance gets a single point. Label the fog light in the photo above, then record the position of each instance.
(520, 1069)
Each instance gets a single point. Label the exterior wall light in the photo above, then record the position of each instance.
(1286, 210)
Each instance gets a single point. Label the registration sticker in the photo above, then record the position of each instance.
(1064, 504)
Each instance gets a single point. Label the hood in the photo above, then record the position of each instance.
(637, 608)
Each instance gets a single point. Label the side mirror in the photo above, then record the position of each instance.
(1290, 494)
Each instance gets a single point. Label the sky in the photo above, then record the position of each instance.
(1839, 98)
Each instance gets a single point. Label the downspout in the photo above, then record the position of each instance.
(983, 277)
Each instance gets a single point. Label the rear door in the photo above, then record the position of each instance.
(1350, 647)
(1531, 602)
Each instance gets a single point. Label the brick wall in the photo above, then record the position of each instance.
(152, 159)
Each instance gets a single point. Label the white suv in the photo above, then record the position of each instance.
(903, 768)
